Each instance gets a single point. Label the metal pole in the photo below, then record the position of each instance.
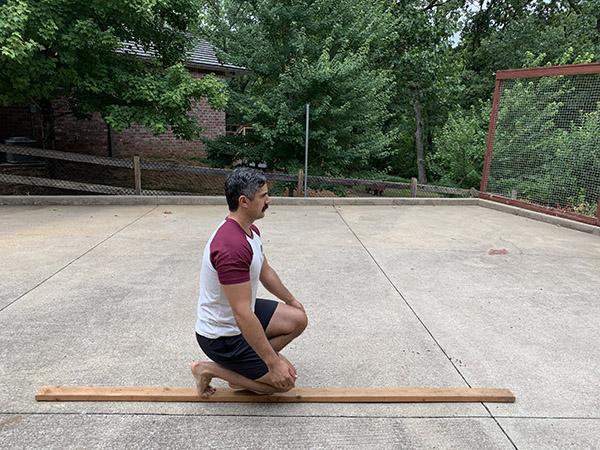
(306, 152)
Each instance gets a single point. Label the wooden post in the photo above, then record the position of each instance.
(137, 173)
(299, 187)
(598, 212)
(413, 187)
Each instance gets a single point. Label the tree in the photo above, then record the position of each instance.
(76, 50)
(460, 147)
(424, 70)
(320, 52)
(498, 35)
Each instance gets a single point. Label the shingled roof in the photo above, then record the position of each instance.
(202, 56)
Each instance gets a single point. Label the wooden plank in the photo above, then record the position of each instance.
(77, 186)
(64, 184)
(67, 156)
(298, 395)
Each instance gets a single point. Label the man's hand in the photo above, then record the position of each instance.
(296, 304)
(283, 374)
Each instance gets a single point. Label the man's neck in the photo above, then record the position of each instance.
(244, 221)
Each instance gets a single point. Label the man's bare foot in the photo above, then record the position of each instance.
(202, 375)
(267, 390)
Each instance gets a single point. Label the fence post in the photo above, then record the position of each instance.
(300, 182)
(598, 212)
(413, 187)
(137, 173)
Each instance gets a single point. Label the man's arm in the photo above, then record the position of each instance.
(273, 284)
(239, 295)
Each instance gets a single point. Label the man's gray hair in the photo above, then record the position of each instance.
(243, 181)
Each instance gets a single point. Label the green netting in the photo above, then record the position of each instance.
(546, 147)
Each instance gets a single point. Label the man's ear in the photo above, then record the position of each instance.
(243, 201)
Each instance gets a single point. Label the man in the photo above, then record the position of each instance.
(240, 333)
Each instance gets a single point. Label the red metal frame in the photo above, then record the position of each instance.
(536, 72)
(542, 209)
(548, 71)
(490, 138)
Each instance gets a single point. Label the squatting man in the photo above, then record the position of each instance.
(240, 333)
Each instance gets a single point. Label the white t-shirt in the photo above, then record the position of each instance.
(230, 257)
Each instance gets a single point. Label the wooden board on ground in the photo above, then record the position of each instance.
(297, 395)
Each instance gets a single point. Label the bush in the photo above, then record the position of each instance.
(460, 147)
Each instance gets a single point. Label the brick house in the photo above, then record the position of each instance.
(96, 138)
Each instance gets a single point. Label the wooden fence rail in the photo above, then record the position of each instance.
(140, 166)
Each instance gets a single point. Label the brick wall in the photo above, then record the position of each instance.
(17, 120)
(92, 136)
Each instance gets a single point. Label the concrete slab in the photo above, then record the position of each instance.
(544, 433)
(38, 241)
(396, 295)
(525, 316)
(129, 299)
(158, 432)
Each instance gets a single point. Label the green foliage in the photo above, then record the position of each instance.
(75, 49)
(575, 167)
(499, 36)
(306, 51)
(460, 147)
(581, 205)
(13, 18)
(367, 68)
(235, 150)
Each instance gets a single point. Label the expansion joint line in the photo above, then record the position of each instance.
(420, 320)
(75, 260)
(404, 299)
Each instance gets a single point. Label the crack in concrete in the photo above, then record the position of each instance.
(75, 260)
(299, 416)
(421, 322)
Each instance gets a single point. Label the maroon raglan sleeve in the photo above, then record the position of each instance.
(231, 255)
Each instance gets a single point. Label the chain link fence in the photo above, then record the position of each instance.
(47, 172)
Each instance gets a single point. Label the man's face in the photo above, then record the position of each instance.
(261, 201)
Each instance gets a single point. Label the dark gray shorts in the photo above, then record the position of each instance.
(233, 352)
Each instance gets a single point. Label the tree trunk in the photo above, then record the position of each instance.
(47, 111)
(48, 137)
(419, 143)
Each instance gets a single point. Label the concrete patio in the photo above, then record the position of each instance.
(422, 294)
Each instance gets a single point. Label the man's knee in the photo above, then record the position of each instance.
(301, 321)
(287, 320)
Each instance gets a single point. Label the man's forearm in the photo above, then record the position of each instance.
(254, 334)
(282, 373)
(275, 286)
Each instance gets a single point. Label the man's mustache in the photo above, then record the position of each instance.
(265, 208)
